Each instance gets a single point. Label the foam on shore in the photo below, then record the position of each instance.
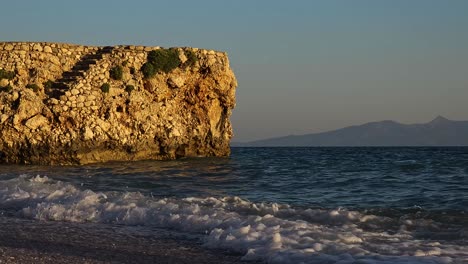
(275, 233)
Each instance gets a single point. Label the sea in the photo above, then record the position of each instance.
(268, 205)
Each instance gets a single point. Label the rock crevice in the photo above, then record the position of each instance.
(55, 111)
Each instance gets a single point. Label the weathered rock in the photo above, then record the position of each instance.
(29, 105)
(36, 122)
(47, 49)
(4, 82)
(3, 118)
(8, 47)
(182, 57)
(176, 81)
(54, 60)
(37, 47)
(179, 114)
(88, 134)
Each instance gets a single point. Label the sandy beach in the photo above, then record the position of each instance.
(27, 241)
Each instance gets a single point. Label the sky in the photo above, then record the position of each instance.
(302, 66)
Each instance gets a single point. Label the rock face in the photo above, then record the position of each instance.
(55, 109)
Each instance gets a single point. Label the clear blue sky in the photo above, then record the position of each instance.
(302, 66)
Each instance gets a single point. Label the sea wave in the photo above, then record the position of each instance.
(271, 232)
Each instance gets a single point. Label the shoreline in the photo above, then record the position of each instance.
(30, 241)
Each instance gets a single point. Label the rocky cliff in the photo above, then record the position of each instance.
(72, 104)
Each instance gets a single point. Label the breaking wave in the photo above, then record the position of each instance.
(275, 233)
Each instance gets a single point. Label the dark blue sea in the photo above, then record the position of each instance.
(272, 205)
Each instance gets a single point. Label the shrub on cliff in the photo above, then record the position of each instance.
(7, 74)
(105, 88)
(6, 89)
(191, 58)
(48, 84)
(161, 60)
(148, 70)
(129, 88)
(116, 73)
(33, 87)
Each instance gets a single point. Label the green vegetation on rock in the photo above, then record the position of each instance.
(116, 73)
(105, 88)
(148, 70)
(33, 87)
(7, 88)
(129, 88)
(48, 84)
(191, 58)
(7, 74)
(161, 60)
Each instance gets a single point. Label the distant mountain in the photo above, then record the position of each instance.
(438, 132)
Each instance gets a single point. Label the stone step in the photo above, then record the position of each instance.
(60, 85)
(79, 69)
(93, 57)
(105, 51)
(86, 62)
(73, 74)
(107, 48)
(67, 80)
(56, 93)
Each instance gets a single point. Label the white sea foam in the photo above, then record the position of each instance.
(270, 232)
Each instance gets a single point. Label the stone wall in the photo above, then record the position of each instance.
(181, 113)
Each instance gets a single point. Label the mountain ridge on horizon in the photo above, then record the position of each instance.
(440, 131)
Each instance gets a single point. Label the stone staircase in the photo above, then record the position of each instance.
(77, 71)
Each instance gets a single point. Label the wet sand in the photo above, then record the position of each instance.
(28, 241)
